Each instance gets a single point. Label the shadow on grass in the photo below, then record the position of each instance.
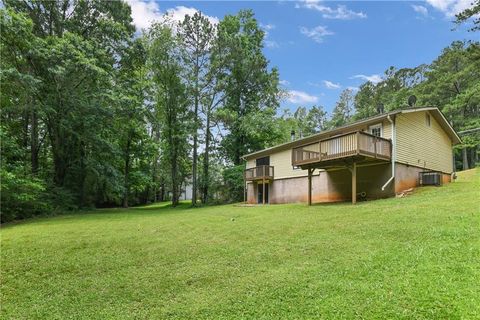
(96, 213)
(163, 205)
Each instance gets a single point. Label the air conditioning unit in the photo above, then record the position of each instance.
(430, 178)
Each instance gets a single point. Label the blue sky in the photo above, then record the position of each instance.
(323, 47)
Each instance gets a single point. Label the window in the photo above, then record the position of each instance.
(376, 130)
(427, 120)
(265, 161)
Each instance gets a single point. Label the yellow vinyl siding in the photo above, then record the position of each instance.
(282, 160)
(423, 146)
(282, 164)
(387, 129)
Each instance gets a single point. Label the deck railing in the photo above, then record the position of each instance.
(258, 173)
(342, 146)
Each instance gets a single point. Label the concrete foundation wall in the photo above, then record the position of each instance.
(406, 177)
(328, 186)
(251, 192)
(336, 185)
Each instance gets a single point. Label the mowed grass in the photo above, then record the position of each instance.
(413, 258)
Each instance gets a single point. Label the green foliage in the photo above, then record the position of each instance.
(250, 88)
(471, 12)
(21, 197)
(342, 113)
(308, 121)
(197, 35)
(234, 184)
(94, 116)
(171, 103)
(450, 83)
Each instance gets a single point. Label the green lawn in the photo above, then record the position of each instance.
(414, 257)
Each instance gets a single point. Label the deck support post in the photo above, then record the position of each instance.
(244, 190)
(310, 171)
(263, 185)
(354, 183)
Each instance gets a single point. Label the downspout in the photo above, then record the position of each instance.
(394, 152)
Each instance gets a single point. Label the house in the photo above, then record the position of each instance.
(371, 158)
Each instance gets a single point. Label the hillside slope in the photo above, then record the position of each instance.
(414, 257)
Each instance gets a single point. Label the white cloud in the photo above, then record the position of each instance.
(341, 12)
(450, 7)
(295, 96)
(267, 26)
(145, 12)
(353, 88)
(420, 9)
(374, 78)
(178, 14)
(316, 33)
(284, 82)
(271, 44)
(331, 85)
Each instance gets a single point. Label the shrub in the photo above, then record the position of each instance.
(233, 178)
(21, 197)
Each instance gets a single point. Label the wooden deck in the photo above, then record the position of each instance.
(353, 145)
(259, 173)
(344, 150)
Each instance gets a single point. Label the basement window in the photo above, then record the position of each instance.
(427, 120)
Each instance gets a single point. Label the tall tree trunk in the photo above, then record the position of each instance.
(126, 173)
(59, 158)
(473, 152)
(206, 164)
(162, 192)
(174, 185)
(465, 158)
(34, 148)
(195, 138)
(83, 173)
(173, 149)
(155, 164)
(26, 122)
(195, 157)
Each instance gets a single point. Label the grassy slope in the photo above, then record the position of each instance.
(415, 257)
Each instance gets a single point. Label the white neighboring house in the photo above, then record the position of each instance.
(186, 193)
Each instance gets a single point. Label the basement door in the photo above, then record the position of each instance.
(260, 193)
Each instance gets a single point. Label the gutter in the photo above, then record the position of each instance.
(394, 152)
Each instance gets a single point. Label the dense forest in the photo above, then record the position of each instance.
(95, 114)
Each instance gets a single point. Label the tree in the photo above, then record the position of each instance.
(249, 86)
(473, 12)
(366, 101)
(171, 102)
(197, 35)
(452, 85)
(131, 113)
(342, 112)
(309, 121)
(18, 84)
(211, 101)
(78, 48)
